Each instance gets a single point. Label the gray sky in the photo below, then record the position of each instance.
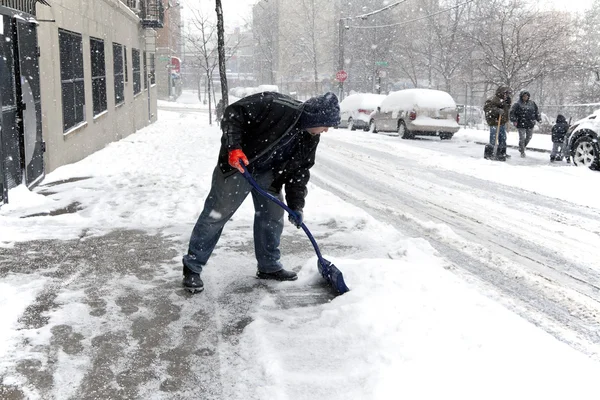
(236, 11)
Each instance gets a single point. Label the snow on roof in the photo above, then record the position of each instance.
(410, 99)
(369, 101)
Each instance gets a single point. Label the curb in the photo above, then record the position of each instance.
(510, 146)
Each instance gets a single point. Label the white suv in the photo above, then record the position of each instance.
(583, 141)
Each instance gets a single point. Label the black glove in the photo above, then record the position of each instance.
(296, 219)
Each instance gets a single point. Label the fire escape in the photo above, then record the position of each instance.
(150, 12)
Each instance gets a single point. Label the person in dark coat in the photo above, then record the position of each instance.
(276, 137)
(523, 114)
(559, 139)
(497, 108)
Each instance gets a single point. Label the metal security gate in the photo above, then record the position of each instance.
(21, 144)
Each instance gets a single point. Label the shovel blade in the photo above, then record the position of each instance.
(332, 275)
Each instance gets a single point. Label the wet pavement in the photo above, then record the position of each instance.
(112, 321)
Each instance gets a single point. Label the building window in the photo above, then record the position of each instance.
(135, 63)
(145, 71)
(71, 76)
(119, 77)
(152, 69)
(7, 81)
(126, 72)
(98, 75)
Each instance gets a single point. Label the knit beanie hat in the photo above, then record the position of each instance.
(320, 111)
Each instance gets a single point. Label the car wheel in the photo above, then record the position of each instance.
(446, 136)
(585, 153)
(372, 127)
(351, 124)
(403, 132)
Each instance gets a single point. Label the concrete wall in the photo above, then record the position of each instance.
(111, 21)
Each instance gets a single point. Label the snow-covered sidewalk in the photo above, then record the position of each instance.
(538, 142)
(409, 328)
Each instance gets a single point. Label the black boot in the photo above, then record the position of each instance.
(281, 275)
(191, 281)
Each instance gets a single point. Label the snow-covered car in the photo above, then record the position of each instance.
(583, 141)
(355, 110)
(412, 112)
(470, 115)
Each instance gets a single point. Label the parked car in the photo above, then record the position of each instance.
(470, 115)
(583, 141)
(414, 112)
(355, 110)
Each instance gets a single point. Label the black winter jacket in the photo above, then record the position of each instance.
(525, 113)
(496, 106)
(256, 124)
(559, 130)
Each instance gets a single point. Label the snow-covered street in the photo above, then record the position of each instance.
(470, 279)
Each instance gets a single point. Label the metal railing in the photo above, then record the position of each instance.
(152, 13)
(27, 6)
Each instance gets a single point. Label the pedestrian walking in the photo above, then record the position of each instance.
(276, 137)
(496, 111)
(524, 114)
(559, 139)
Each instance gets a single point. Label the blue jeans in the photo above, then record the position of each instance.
(501, 138)
(225, 197)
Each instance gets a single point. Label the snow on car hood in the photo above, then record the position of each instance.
(591, 122)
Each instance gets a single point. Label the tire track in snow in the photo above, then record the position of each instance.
(554, 292)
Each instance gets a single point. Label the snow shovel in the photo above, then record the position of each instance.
(329, 271)
(497, 134)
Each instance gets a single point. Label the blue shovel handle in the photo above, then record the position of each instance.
(328, 271)
(282, 205)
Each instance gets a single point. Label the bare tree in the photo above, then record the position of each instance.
(585, 65)
(221, 51)
(265, 32)
(307, 41)
(518, 44)
(203, 43)
(448, 47)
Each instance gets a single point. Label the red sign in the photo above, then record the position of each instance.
(341, 76)
(175, 64)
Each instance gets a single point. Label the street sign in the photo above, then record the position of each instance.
(381, 63)
(341, 76)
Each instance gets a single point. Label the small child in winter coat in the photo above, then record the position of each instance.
(559, 139)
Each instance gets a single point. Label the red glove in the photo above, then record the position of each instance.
(234, 159)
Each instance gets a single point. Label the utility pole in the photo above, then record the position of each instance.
(341, 36)
(341, 60)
